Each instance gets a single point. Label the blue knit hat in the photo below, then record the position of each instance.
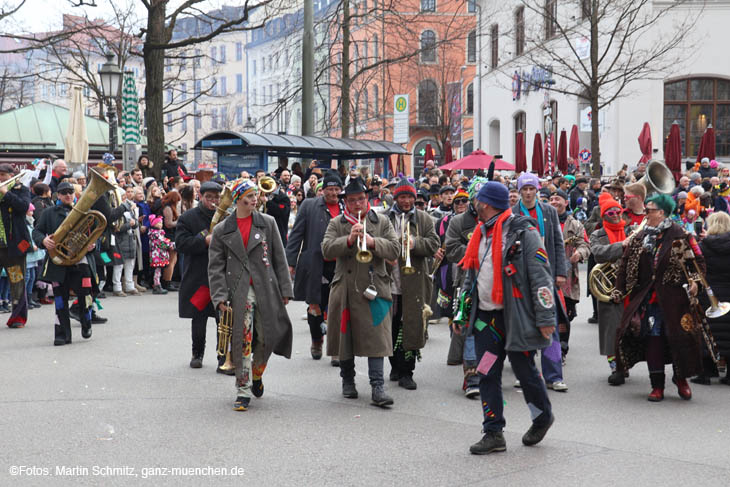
(494, 194)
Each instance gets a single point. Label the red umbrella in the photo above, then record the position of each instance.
(520, 153)
(448, 156)
(574, 145)
(478, 160)
(563, 152)
(645, 143)
(707, 144)
(537, 160)
(429, 153)
(673, 151)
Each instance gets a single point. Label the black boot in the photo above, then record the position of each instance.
(60, 336)
(492, 441)
(86, 330)
(347, 372)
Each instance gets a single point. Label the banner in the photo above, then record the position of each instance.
(453, 91)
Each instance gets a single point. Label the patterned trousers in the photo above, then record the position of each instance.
(252, 351)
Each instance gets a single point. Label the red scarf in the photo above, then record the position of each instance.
(353, 218)
(615, 231)
(471, 257)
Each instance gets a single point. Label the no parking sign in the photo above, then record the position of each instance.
(584, 155)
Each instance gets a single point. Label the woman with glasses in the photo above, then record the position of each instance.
(607, 245)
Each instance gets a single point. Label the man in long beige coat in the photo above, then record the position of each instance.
(359, 318)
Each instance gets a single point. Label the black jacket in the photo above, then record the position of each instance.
(716, 249)
(49, 222)
(279, 207)
(13, 206)
(190, 232)
(170, 168)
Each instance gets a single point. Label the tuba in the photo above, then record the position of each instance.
(225, 331)
(220, 211)
(658, 178)
(82, 226)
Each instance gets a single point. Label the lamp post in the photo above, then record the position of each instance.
(250, 126)
(110, 76)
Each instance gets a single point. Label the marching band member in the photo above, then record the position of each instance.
(658, 323)
(512, 315)
(411, 288)
(607, 245)
(634, 196)
(304, 252)
(192, 240)
(458, 233)
(248, 275)
(14, 242)
(359, 318)
(576, 250)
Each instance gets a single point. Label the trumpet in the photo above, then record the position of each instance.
(225, 331)
(437, 262)
(405, 230)
(363, 256)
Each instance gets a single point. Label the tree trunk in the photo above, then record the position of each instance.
(345, 88)
(154, 63)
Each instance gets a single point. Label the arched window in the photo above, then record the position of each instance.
(694, 104)
(428, 46)
(470, 99)
(427, 102)
(471, 47)
(376, 101)
(365, 105)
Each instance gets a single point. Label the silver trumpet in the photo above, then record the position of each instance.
(364, 256)
(405, 235)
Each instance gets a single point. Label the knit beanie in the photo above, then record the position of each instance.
(606, 202)
(527, 178)
(494, 194)
(404, 187)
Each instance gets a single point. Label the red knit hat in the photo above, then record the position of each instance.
(404, 187)
(606, 202)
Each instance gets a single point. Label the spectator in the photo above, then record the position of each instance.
(126, 240)
(137, 176)
(33, 259)
(80, 178)
(173, 166)
(170, 216)
(160, 247)
(145, 165)
(58, 173)
(154, 200)
(41, 198)
(187, 198)
(144, 254)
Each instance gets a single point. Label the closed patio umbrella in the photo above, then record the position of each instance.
(520, 153)
(537, 160)
(673, 151)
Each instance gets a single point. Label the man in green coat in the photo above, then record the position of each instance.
(359, 318)
(412, 284)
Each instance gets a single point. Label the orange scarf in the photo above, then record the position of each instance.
(471, 257)
(616, 231)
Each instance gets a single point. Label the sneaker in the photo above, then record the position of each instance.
(558, 386)
(471, 392)
(96, 319)
(593, 320)
(380, 398)
(349, 390)
(536, 433)
(517, 384)
(407, 382)
(133, 292)
(120, 294)
(241, 403)
(140, 288)
(159, 290)
(196, 362)
(701, 379)
(316, 350)
(491, 442)
(257, 388)
(616, 378)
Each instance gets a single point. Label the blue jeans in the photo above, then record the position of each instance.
(30, 274)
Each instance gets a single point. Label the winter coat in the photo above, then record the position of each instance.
(350, 328)
(172, 168)
(125, 236)
(716, 249)
(304, 250)
(529, 301)
(416, 288)
(40, 203)
(33, 257)
(461, 227)
(13, 208)
(553, 239)
(278, 207)
(190, 232)
(574, 235)
(232, 266)
(638, 274)
(609, 314)
(159, 248)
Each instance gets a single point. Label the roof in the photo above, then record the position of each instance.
(304, 146)
(42, 127)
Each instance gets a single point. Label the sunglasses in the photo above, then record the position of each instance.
(612, 213)
(66, 192)
(420, 203)
(461, 201)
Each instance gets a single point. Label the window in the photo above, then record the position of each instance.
(213, 87)
(376, 51)
(428, 46)
(168, 64)
(168, 124)
(222, 52)
(470, 99)
(239, 115)
(551, 18)
(520, 120)
(239, 83)
(239, 51)
(376, 101)
(184, 122)
(224, 118)
(520, 31)
(224, 88)
(254, 101)
(427, 102)
(263, 64)
(366, 106)
(468, 147)
(169, 95)
(356, 109)
(196, 60)
(495, 46)
(586, 9)
(694, 104)
(428, 5)
(183, 91)
(198, 87)
(471, 47)
(213, 55)
(214, 118)
(471, 6)
(198, 121)
(253, 67)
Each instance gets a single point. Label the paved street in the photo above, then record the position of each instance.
(127, 398)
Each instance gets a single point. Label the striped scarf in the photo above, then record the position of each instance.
(353, 219)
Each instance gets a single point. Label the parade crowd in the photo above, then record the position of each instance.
(376, 260)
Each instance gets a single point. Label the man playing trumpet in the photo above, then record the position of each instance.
(411, 286)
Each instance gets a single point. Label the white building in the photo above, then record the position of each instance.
(695, 92)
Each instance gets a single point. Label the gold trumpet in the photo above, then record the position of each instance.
(405, 235)
(225, 331)
(364, 256)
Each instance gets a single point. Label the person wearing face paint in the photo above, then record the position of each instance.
(249, 276)
(547, 223)
(312, 273)
(607, 245)
(512, 313)
(411, 291)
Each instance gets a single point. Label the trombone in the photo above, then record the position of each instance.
(405, 236)
(363, 256)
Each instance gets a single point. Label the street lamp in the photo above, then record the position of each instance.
(110, 76)
(249, 126)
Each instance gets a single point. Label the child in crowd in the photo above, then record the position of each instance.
(159, 252)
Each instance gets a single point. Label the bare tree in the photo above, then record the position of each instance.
(599, 49)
